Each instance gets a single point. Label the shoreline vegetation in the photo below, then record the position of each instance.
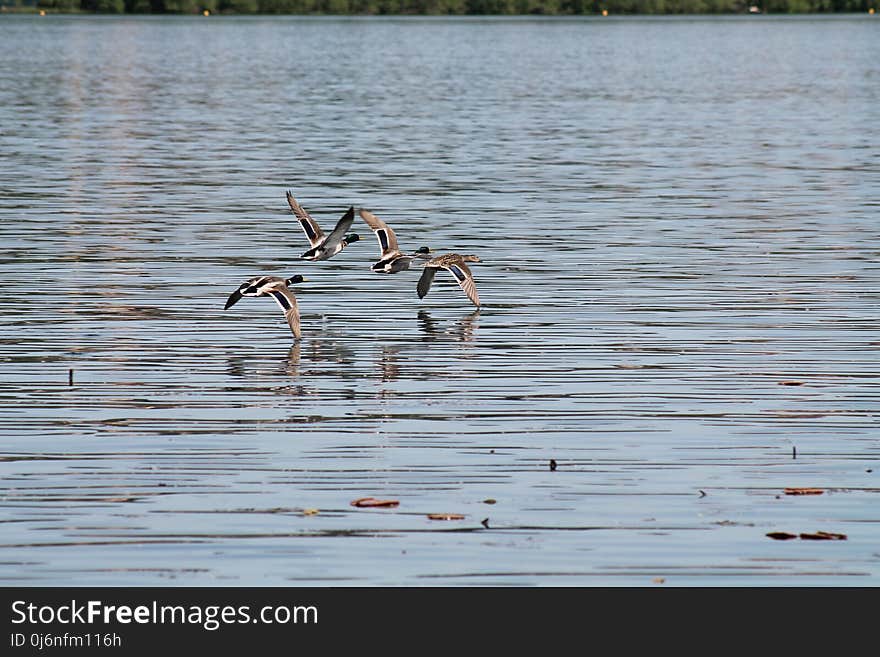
(440, 7)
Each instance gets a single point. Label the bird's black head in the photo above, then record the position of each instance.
(423, 250)
(354, 237)
(298, 278)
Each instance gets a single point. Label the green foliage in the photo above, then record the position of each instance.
(457, 7)
(182, 6)
(234, 6)
(110, 6)
(60, 5)
(138, 6)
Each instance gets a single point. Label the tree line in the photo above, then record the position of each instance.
(450, 7)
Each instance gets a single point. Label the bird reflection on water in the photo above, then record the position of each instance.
(336, 351)
(462, 330)
(291, 363)
(312, 359)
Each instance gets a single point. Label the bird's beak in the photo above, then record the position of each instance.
(232, 300)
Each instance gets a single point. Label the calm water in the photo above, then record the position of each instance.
(678, 226)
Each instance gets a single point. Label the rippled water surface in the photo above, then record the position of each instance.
(678, 224)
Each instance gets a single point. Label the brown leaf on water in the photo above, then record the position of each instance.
(658, 580)
(804, 491)
(781, 536)
(445, 516)
(310, 512)
(791, 383)
(373, 502)
(823, 536)
(489, 501)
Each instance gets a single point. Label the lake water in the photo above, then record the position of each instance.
(679, 227)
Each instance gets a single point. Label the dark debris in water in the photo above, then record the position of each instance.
(823, 536)
(373, 502)
(804, 491)
(807, 536)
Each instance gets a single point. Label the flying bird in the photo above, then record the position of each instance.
(261, 286)
(455, 265)
(391, 259)
(323, 246)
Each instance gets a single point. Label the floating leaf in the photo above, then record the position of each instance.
(791, 383)
(804, 491)
(489, 501)
(310, 512)
(658, 580)
(445, 516)
(823, 536)
(781, 536)
(372, 501)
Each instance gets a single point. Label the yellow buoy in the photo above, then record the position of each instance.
(604, 12)
(206, 13)
(871, 11)
(42, 12)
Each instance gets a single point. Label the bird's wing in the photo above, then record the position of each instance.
(425, 281)
(465, 278)
(342, 227)
(292, 316)
(233, 299)
(310, 227)
(288, 304)
(250, 287)
(387, 238)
